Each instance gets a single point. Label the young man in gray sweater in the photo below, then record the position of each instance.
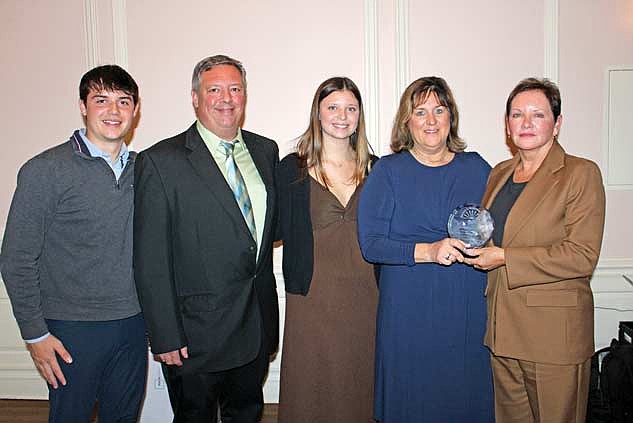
(66, 260)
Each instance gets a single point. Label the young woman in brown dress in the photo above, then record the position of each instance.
(328, 347)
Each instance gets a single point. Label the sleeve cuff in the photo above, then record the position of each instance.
(41, 338)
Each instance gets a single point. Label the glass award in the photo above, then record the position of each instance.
(471, 224)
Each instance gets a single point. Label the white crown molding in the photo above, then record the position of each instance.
(372, 87)
(119, 32)
(551, 18)
(91, 27)
(402, 47)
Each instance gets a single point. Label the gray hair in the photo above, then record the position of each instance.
(213, 61)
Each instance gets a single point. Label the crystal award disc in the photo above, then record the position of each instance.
(471, 224)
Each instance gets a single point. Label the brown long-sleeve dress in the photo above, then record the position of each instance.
(327, 370)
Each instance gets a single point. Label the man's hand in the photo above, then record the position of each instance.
(44, 356)
(172, 358)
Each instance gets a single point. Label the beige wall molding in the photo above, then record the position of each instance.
(91, 31)
(119, 32)
(551, 50)
(105, 28)
(403, 69)
(371, 69)
(608, 277)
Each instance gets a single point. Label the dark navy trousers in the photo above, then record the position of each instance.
(109, 367)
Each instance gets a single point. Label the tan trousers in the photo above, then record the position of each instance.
(528, 392)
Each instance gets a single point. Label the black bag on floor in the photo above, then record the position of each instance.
(598, 409)
(611, 385)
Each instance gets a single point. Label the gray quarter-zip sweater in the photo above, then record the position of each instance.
(67, 247)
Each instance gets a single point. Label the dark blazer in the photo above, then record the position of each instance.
(540, 305)
(295, 225)
(199, 281)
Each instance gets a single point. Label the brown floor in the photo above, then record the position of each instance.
(30, 411)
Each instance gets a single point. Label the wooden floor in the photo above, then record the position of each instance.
(29, 411)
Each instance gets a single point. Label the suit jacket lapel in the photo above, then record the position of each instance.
(265, 172)
(497, 180)
(211, 176)
(543, 181)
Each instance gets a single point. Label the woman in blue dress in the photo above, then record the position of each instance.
(431, 364)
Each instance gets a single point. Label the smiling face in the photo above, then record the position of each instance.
(531, 124)
(219, 100)
(429, 124)
(339, 113)
(109, 116)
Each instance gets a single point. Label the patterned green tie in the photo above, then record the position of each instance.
(238, 186)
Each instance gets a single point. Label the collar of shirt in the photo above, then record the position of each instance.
(244, 161)
(212, 142)
(118, 165)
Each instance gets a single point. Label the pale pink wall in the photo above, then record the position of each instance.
(288, 48)
(43, 57)
(482, 52)
(594, 36)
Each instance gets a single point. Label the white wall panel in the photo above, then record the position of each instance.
(595, 36)
(619, 145)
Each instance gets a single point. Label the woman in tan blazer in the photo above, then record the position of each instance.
(548, 208)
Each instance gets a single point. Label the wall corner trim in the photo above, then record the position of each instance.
(372, 90)
(91, 28)
(119, 32)
(551, 47)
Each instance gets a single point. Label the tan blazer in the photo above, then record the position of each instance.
(540, 305)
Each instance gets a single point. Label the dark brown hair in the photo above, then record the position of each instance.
(109, 78)
(544, 85)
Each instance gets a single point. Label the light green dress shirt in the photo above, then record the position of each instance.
(244, 161)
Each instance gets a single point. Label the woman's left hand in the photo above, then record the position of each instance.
(486, 258)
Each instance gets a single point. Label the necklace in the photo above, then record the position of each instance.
(443, 159)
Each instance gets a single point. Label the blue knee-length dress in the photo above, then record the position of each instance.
(431, 364)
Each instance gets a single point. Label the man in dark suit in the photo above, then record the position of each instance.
(203, 233)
